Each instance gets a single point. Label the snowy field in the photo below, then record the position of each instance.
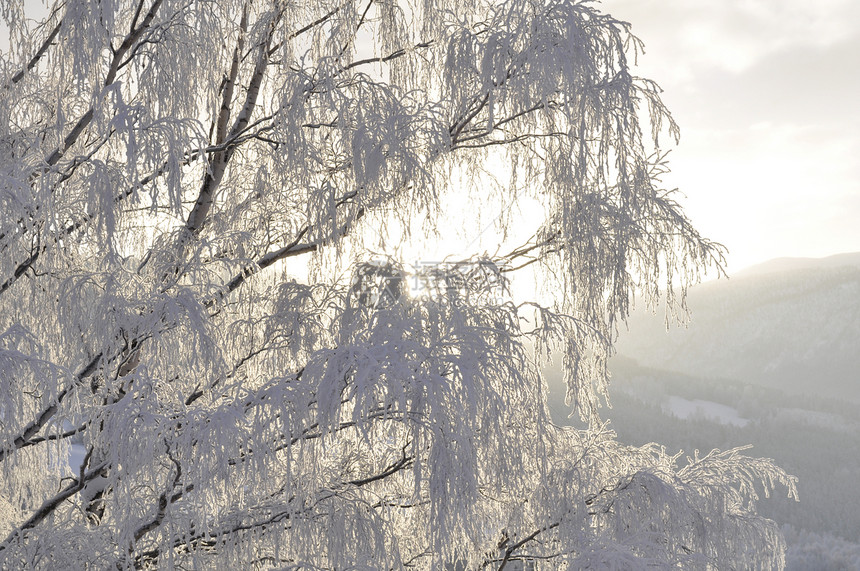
(684, 409)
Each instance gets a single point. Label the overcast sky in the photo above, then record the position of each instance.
(767, 94)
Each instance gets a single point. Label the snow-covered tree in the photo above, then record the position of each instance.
(187, 190)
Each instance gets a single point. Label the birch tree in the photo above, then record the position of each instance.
(187, 190)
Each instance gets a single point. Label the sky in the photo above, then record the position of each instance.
(767, 95)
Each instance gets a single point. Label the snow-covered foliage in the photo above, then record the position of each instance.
(185, 189)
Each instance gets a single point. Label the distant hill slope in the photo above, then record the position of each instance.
(791, 264)
(792, 323)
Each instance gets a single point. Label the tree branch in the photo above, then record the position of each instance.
(163, 500)
(198, 215)
(50, 505)
(23, 440)
(39, 53)
(87, 117)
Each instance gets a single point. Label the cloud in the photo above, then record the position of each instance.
(794, 86)
(765, 93)
(735, 35)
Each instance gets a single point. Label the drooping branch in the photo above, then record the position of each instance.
(310, 26)
(164, 499)
(390, 57)
(294, 248)
(32, 429)
(189, 157)
(38, 55)
(128, 42)
(403, 463)
(214, 536)
(50, 506)
(510, 549)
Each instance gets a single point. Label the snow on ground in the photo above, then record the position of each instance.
(683, 408)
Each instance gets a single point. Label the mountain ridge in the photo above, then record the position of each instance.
(792, 323)
(782, 264)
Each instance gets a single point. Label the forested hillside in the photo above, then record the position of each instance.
(770, 358)
(792, 324)
(817, 440)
